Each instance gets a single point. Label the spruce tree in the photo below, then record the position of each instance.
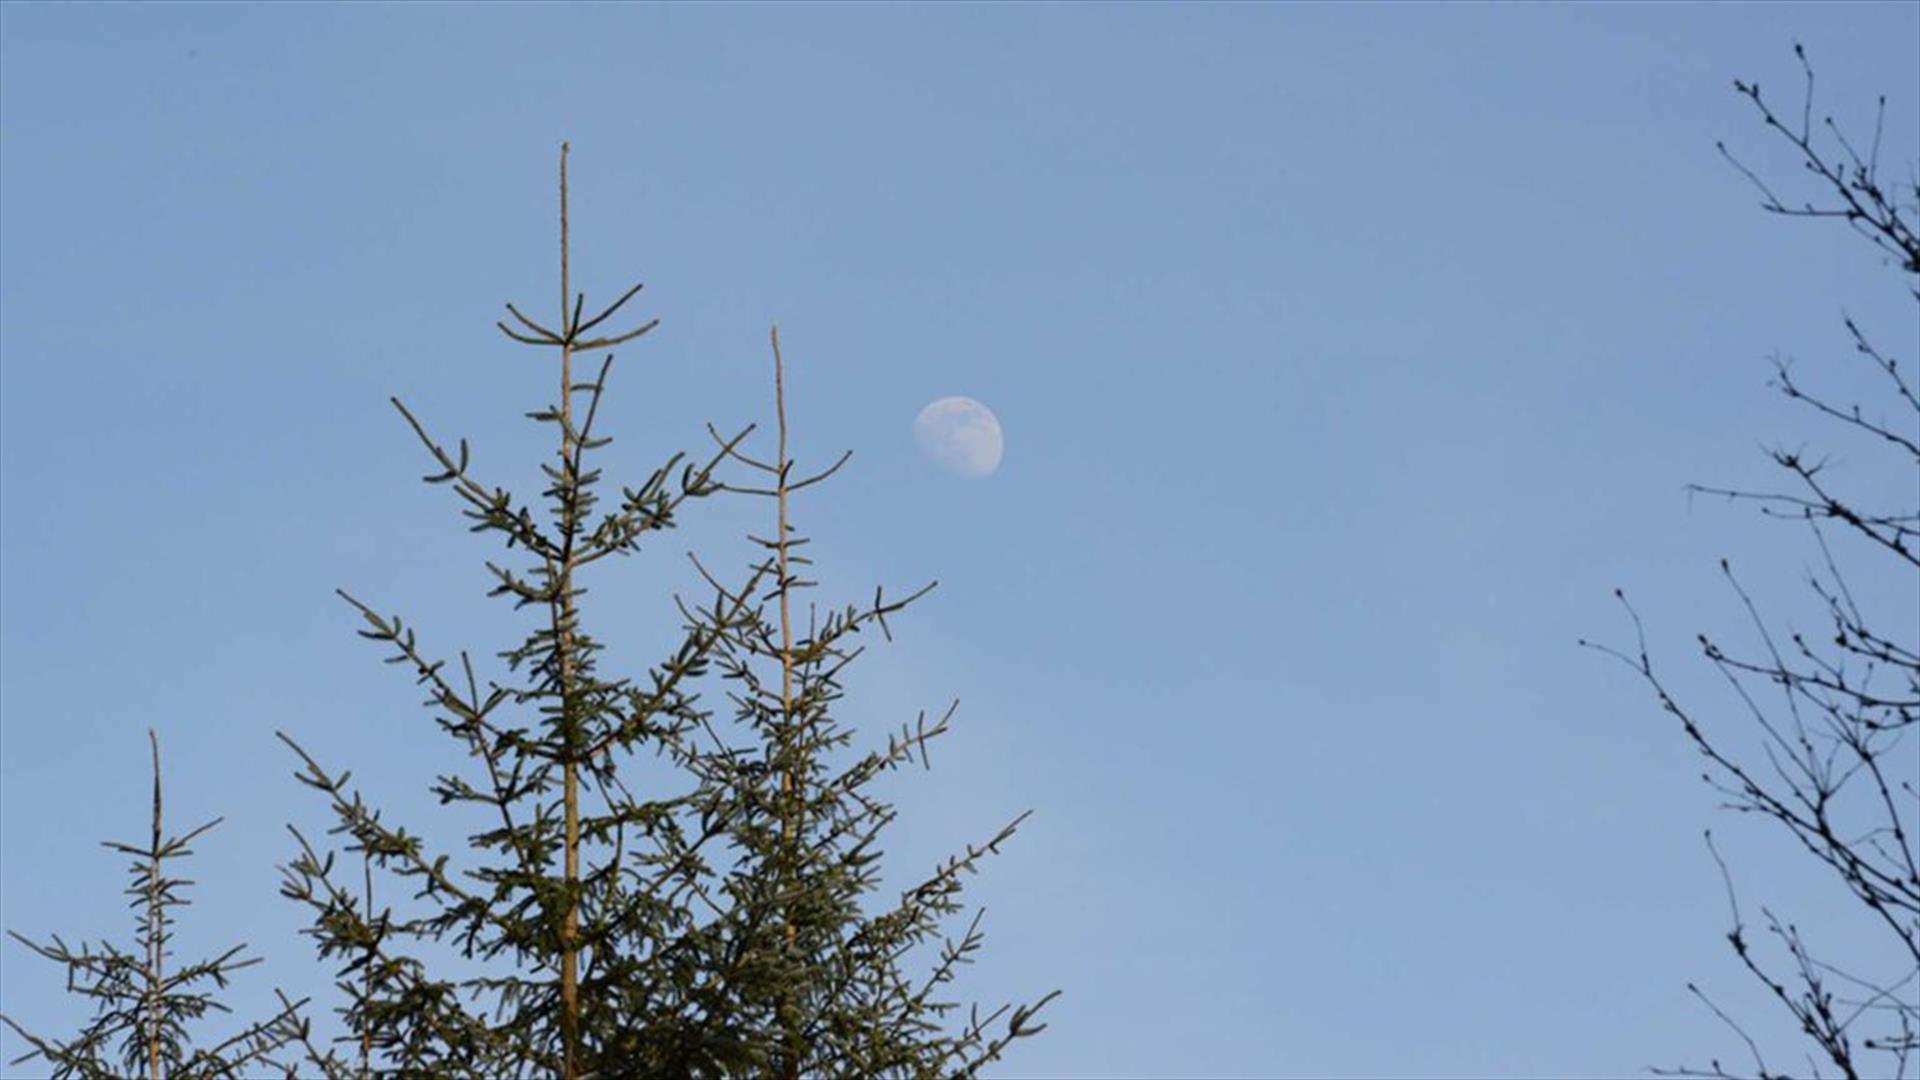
(147, 1008)
(720, 924)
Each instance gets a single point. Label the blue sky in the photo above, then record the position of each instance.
(1348, 357)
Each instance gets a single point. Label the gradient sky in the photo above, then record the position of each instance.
(1348, 358)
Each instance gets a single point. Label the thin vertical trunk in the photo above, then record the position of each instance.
(788, 782)
(366, 978)
(156, 924)
(563, 629)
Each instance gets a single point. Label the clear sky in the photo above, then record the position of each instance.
(1347, 357)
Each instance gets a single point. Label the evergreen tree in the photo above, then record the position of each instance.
(146, 1008)
(721, 926)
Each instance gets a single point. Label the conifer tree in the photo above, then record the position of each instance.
(710, 923)
(146, 1008)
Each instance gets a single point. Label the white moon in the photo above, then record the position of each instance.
(960, 435)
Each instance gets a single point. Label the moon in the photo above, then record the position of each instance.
(960, 435)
